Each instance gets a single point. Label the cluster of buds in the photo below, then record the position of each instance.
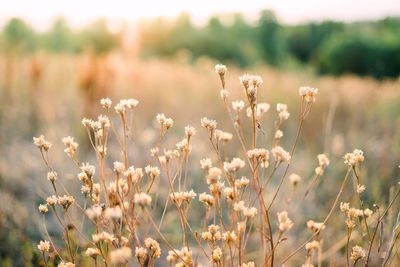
(95, 212)
(206, 163)
(66, 201)
(103, 237)
(283, 113)
(260, 110)
(52, 176)
(120, 255)
(351, 159)
(213, 175)
(251, 83)
(222, 136)
(92, 252)
(164, 121)
(153, 247)
(71, 146)
(208, 124)
(280, 154)
(213, 234)
(207, 199)
(230, 192)
(151, 171)
(234, 165)
(189, 131)
(284, 222)
(44, 246)
(41, 143)
(294, 179)
(113, 213)
(141, 255)
(242, 182)
(123, 105)
(183, 196)
(142, 199)
(184, 254)
(357, 253)
(259, 154)
(323, 161)
(133, 174)
(216, 255)
(310, 246)
(315, 226)
(308, 93)
(229, 237)
(238, 105)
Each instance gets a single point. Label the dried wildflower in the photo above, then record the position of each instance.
(312, 245)
(120, 255)
(52, 201)
(308, 93)
(323, 160)
(214, 175)
(250, 212)
(206, 163)
(239, 206)
(360, 189)
(229, 237)
(209, 200)
(183, 196)
(87, 122)
(119, 167)
(92, 252)
(368, 212)
(351, 159)
(152, 171)
(169, 122)
(278, 134)
(71, 146)
(238, 105)
(142, 199)
(344, 206)
(43, 208)
(234, 165)
(141, 254)
(106, 103)
(113, 213)
(242, 182)
(216, 255)
(190, 131)
(294, 179)
(52, 176)
(88, 169)
(153, 246)
(131, 103)
(259, 154)
(213, 233)
(282, 111)
(133, 174)
(66, 201)
(208, 124)
(222, 136)
(220, 69)
(284, 222)
(94, 212)
(357, 253)
(103, 236)
(41, 143)
(280, 154)
(315, 226)
(43, 246)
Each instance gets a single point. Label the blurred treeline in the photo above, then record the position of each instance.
(368, 48)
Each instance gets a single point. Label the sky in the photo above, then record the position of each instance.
(40, 13)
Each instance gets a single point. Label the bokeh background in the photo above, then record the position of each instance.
(58, 60)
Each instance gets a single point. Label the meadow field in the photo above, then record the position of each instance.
(49, 94)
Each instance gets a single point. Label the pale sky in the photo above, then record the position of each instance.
(40, 13)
